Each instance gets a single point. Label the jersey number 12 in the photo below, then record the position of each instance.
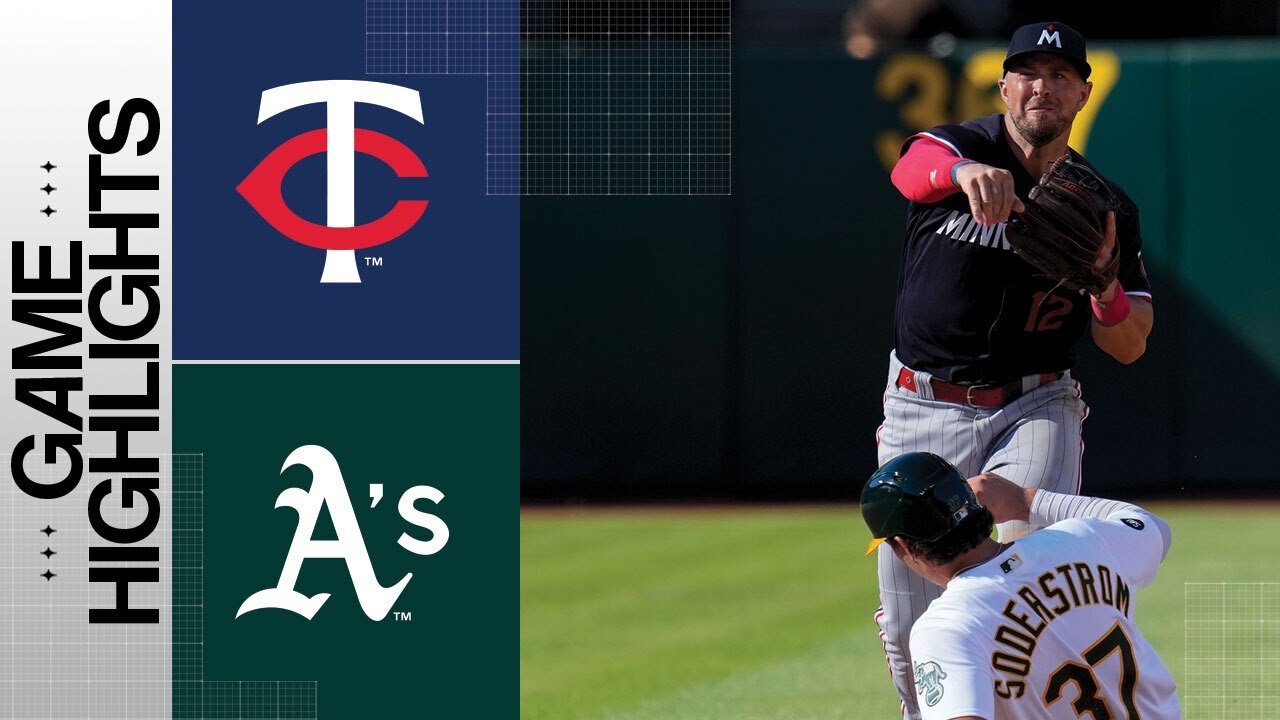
(1047, 312)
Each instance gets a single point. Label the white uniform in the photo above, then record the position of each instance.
(1045, 629)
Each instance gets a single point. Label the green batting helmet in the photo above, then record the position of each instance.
(917, 495)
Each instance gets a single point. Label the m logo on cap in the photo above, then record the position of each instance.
(1046, 37)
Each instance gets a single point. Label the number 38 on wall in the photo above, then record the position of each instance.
(921, 86)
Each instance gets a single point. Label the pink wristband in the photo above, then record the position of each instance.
(1114, 312)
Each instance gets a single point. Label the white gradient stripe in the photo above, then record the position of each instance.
(61, 60)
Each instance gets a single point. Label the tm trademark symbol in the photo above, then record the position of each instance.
(403, 616)
(371, 261)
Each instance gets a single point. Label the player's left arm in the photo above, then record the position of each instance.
(952, 679)
(1139, 555)
(1126, 340)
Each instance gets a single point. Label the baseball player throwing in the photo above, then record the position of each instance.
(1040, 628)
(984, 343)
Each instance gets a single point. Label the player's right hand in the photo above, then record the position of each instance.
(1104, 257)
(1006, 500)
(990, 191)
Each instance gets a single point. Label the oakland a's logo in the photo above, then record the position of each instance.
(340, 141)
(929, 677)
(329, 491)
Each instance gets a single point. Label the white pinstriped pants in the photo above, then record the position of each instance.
(1033, 441)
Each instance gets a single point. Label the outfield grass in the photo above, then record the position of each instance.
(764, 613)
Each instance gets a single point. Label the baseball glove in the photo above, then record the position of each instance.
(1063, 229)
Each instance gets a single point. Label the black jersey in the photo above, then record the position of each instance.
(971, 311)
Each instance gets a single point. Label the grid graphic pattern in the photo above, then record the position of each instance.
(1233, 651)
(427, 37)
(193, 697)
(502, 104)
(54, 663)
(585, 97)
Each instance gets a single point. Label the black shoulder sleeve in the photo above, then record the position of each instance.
(959, 138)
(1133, 274)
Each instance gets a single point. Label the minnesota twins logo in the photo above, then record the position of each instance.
(1049, 35)
(328, 490)
(929, 677)
(340, 141)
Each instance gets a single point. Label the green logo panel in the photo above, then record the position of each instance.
(385, 582)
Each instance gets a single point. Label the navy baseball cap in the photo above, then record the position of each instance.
(1054, 38)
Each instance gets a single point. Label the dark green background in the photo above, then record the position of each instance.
(455, 428)
(737, 347)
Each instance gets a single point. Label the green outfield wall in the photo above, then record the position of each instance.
(736, 346)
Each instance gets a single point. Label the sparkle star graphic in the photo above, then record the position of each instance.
(49, 552)
(48, 211)
(47, 166)
(48, 530)
(48, 575)
(48, 188)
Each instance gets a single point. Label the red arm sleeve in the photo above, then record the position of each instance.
(923, 174)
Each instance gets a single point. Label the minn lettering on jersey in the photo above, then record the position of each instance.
(962, 226)
(1071, 585)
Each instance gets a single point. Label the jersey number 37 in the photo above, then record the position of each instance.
(1086, 680)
